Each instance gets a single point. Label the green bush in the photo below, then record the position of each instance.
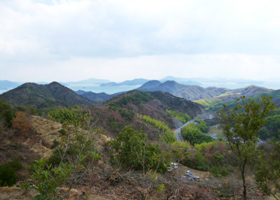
(219, 171)
(133, 151)
(8, 175)
(55, 144)
(194, 135)
(56, 158)
(62, 131)
(198, 162)
(7, 113)
(15, 164)
(202, 125)
(181, 116)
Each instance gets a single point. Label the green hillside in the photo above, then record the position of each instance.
(44, 96)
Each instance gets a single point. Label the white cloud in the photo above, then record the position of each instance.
(151, 67)
(116, 39)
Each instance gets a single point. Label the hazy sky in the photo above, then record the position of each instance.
(71, 40)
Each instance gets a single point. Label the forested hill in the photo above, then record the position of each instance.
(195, 92)
(229, 98)
(190, 92)
(44, 96)
(154, 104)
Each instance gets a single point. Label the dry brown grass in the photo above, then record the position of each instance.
(99, 186)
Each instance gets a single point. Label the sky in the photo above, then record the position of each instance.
(117, 40)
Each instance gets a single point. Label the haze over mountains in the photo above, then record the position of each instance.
(109, 87)
(195, 92)
(57, 94)
(96, 91)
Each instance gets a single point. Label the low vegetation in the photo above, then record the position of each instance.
(77, 116)
(194, 135)
(112, 151)
(181, 116)
(166, 133)
(133, 150)
(8, 176)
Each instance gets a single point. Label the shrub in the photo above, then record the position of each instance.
(202, 125)
(56, 158)
(15, 164)
(180, 116)
(133, 150)
(194, 135)
(62, 131)
(48, 175)
(55, 144)
(8, 175)
(219, 171)
(6, 113)
(198, 162)
(21, 122)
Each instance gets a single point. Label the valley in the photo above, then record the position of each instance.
(131, 138)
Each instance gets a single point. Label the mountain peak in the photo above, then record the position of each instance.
(170, 82)
(54, 83)
(44, 96)
(150, 85)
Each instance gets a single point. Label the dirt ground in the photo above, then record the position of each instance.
(102, 188)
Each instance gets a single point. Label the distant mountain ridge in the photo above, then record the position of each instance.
(97, 97)
(139, 81)
(89, 81)
(5, 85)
(195, 92)
(185, 81)
(43, 96)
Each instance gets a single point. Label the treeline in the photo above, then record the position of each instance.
(181, 116)
(194, 133)
(167, 135)
(76, 116)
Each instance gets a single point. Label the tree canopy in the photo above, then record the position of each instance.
(240, 125)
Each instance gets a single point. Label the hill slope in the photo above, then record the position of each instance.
(154, 104)
(43, 96)
(190, 92)
(230, 97)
